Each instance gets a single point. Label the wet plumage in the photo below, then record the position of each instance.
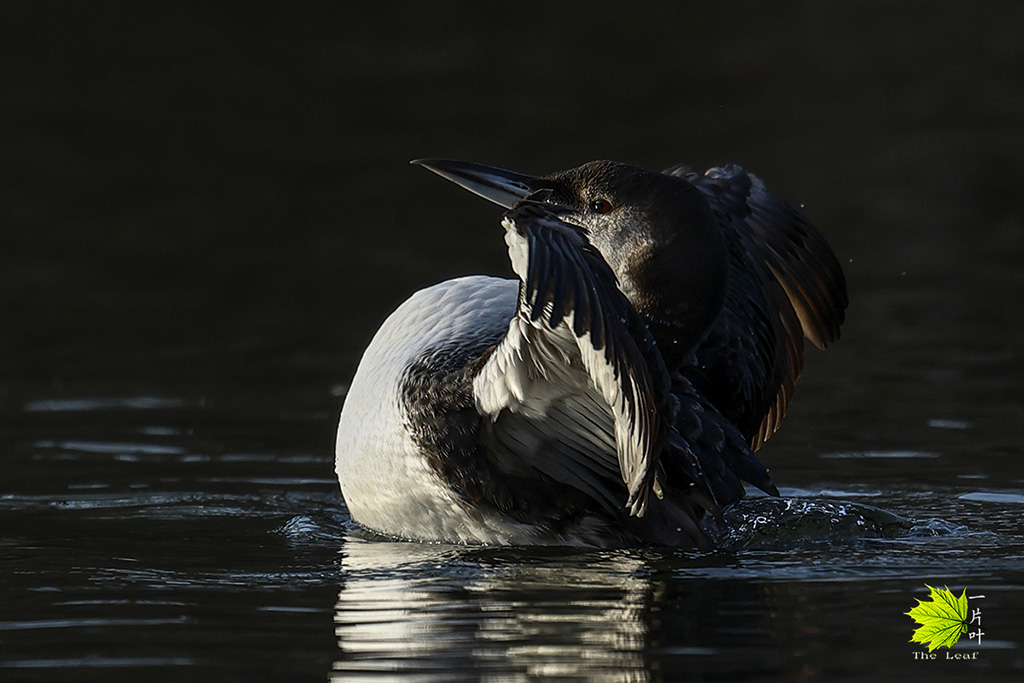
(617, 390)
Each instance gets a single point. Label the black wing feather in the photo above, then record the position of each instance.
(566, 267)
(785, 284)
(697, 429)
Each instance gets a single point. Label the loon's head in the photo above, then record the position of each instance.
(656, 231)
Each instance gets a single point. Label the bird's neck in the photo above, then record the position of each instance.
(680, 289)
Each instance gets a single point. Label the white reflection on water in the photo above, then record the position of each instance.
(103, 403)
(425, 610)
(878, 455)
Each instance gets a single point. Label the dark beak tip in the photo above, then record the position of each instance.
(502, 187)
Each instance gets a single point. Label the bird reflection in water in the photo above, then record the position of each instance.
(422, 611)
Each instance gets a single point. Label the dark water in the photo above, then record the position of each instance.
(205, 213)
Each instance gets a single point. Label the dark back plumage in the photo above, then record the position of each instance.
(785, 283)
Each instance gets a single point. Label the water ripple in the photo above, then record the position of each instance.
(74, 405)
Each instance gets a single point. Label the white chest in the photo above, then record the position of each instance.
(387, 483)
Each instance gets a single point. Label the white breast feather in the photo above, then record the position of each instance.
(387, 484)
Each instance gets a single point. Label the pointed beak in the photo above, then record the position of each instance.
(502, 187)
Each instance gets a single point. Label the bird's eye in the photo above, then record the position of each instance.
(601, 206)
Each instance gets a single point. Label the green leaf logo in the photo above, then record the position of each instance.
(942, 620)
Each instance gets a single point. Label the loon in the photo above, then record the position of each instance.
(616, 391)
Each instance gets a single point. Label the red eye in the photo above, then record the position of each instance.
(601, 206)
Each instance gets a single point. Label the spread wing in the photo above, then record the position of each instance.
(576, 389)
(785, 284)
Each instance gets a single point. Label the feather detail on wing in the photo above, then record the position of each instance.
(575, 351)
(785, 284)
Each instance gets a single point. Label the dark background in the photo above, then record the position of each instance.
(191, 184)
